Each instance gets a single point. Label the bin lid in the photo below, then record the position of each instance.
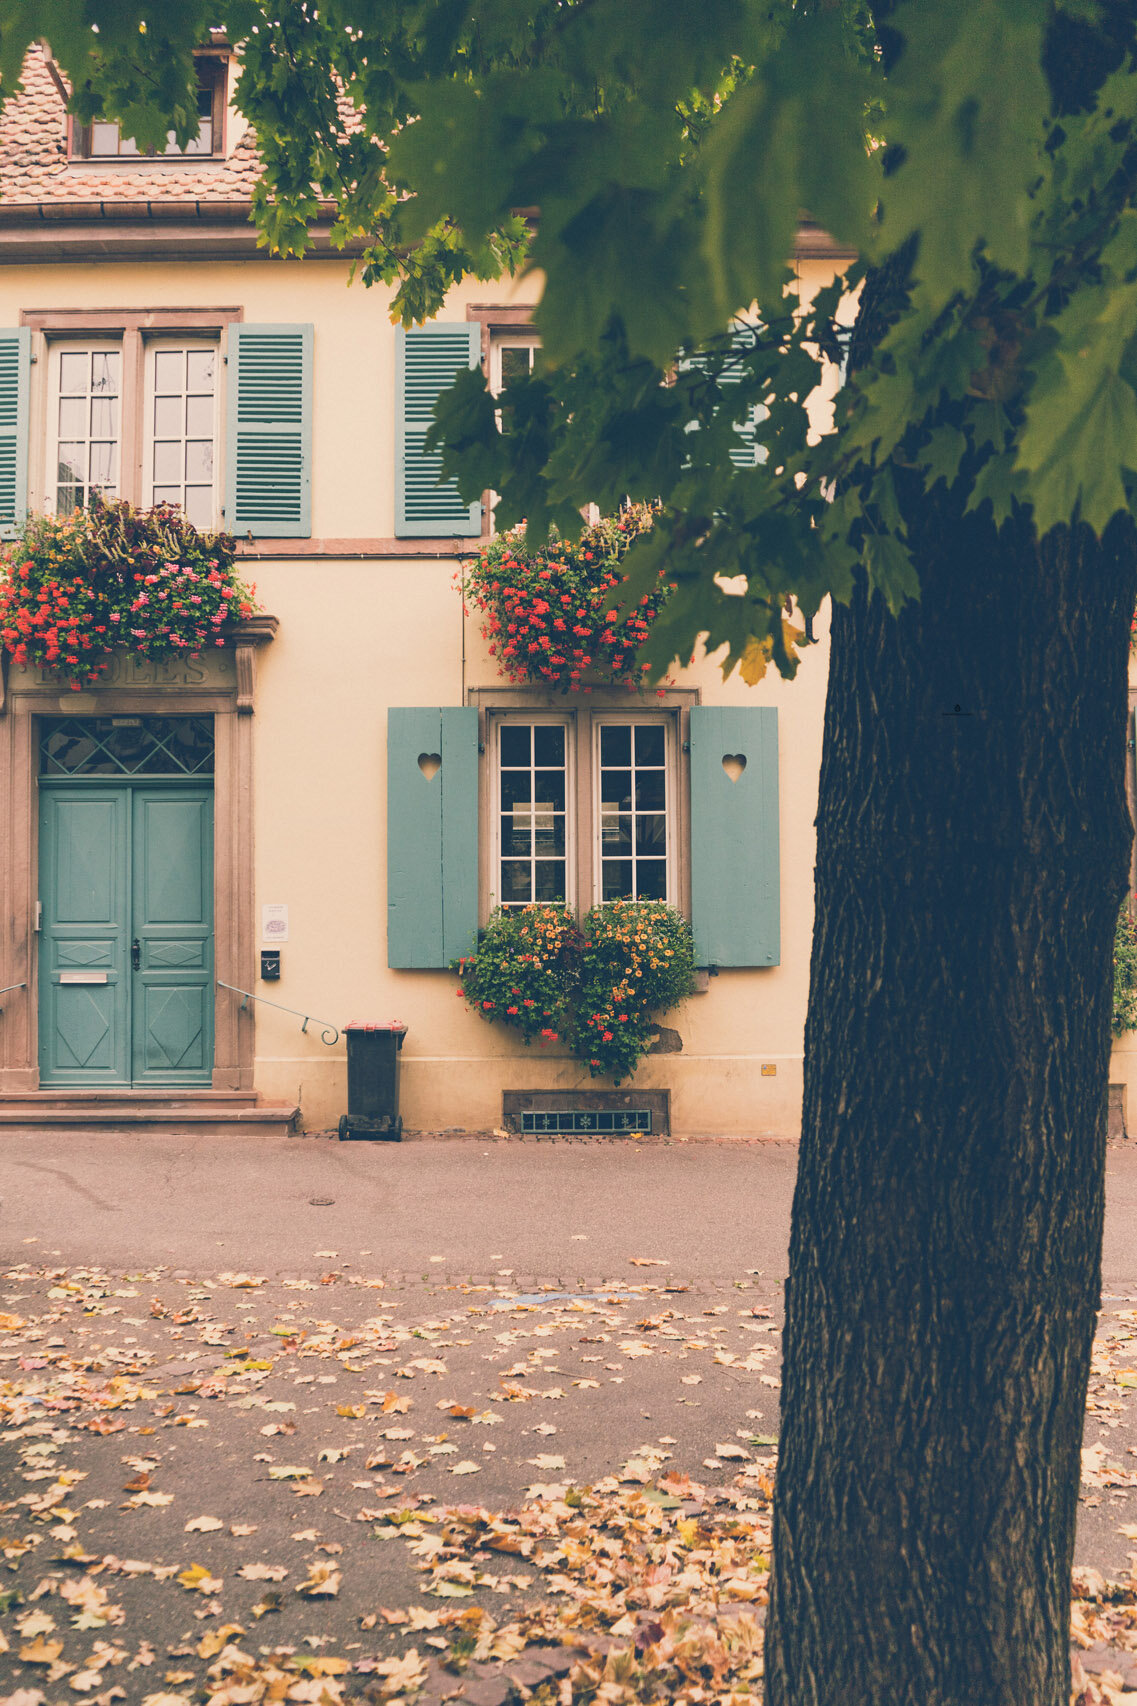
(365, 1025)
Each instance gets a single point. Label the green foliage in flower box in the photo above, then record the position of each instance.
(596, 987)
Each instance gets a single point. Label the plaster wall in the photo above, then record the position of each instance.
(360, 634)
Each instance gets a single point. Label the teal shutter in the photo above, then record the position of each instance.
(746, 452)
(15, 375)
(268, 482)
(429, 359)
(432, 835)
(735, 907)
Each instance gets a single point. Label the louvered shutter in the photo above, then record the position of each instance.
(15, 373)
(429, 359)
(432, 835)
(735, 879)
(746, 452)
(269, 432)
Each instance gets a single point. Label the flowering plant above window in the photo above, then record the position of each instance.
(595, 987)
(73, 588)
(549, 615)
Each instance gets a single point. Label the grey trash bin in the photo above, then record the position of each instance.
(373, 1081)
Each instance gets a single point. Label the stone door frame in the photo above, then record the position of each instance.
(233, 869)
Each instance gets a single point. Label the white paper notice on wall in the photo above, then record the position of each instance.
(274, 922)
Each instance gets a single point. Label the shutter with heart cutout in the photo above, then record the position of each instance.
(432, 835)
(735, 898)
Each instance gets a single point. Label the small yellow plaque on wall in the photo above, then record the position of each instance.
(769, 1072)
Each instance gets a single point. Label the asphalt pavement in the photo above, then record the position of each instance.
(266, 1360)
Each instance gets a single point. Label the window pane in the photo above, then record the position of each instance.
(203, 142)
(651, 879)
(516, 835)
(549, 743)
(516, 882)
(515, 788)
(168, 495)
(104, 373)
(649, 743)
(651, 790)
(104, 417)
(199, 506)
(73, 372)
(201, 366)
(104, 138)
(102, 464)
(515, 739)
(167, 417)
(199, 416)
(68, 498)
(549, 788)
(550, 880)
(651, 834)
(615, 743)
(72, 464)
(615, 835)
(516, 361)
(72, 417)
(548, 834)
(616, 788)
(169, 370)
(199, 459)
(616, 879)
(167, 460)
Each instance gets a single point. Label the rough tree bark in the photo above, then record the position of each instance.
(972, 853)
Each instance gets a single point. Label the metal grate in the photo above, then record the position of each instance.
(574, 1121)
(126, 746)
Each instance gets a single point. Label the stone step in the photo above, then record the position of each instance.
(212, 1114)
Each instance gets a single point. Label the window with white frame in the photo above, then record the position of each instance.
(103, 139)
(85, 423)
(512, 355)
(583, 806)
(181, 428)
(91, 425)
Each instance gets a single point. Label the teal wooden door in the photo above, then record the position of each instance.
(172, 935)
(84, 970)
(126, 944)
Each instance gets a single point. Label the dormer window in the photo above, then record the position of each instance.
(102, 139)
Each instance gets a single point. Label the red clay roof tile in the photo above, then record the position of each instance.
(34, 168)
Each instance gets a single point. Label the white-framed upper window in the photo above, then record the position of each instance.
(583, 807)
(181, 427)
(84, 422)
(512, 355)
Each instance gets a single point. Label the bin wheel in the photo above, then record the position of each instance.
(345, 1129)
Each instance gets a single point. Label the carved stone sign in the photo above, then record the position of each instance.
(215, 670)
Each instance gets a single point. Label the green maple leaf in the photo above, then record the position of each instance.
(967, 102)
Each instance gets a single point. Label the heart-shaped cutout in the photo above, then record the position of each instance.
(734, 763)
(430, 763)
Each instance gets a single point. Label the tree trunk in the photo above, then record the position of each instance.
(946, 1243)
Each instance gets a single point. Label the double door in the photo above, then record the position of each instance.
(126, 932)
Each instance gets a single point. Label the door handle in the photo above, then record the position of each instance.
(136, 954)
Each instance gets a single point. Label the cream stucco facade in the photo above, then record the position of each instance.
(367, 622)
